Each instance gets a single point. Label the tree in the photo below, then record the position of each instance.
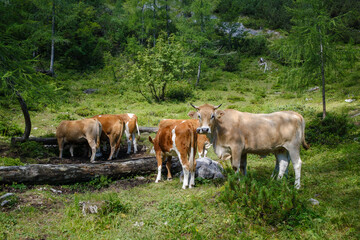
(156, 68)
(310, 47)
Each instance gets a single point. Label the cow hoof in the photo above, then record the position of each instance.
(169, 179)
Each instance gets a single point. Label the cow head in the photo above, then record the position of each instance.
(206, 115)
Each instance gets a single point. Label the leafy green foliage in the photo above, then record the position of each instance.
(7, 161)
(273, 203)
(9, 129)
(100, 182)
(180, 91)
(31, 149)
(332, 130)
(113, 206)
(157, 68)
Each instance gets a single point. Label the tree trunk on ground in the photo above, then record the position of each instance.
(53, 141)
(26, 114)
(52, 40)
(71, 173)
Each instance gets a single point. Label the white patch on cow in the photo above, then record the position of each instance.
(182, 121)
(99, 115)
(131, 115)
(127, 135)
(158, 178)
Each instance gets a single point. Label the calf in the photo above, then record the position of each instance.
(112, 129)
(75, 131)
(177, 138)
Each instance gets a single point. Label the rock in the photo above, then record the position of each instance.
(140, 178)
(313, 89)
(349, 100)
(6, 195)
(4, 202)
(90, 90)
(207, 168)
(55, 191)
(314, 201)
(88, 208)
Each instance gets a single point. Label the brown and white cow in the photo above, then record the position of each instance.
(177, 138)
(75, 131)
(131, 124)
(112, 129)
(234, 134)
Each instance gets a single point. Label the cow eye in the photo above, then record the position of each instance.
(199, 116)
(212, 116)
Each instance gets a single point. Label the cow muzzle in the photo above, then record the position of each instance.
(203, 130)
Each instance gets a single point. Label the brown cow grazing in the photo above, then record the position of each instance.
(130, 121)
(75, 131)
(177, 138)
(112, 129)
(234, 134)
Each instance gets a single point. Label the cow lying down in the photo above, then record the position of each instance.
(234, 134)
(76, 131)
(177, 138)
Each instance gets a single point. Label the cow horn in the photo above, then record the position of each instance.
(217, 106)
(194, 106)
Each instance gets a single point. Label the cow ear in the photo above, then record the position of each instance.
(219, 113)
(192, 114)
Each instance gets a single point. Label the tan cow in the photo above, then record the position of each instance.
(75, 131)
(131, 125)
(177, 138)
(112, 129)
(234, 134)
(203, 143)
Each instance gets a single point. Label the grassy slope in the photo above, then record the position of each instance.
(329, 174)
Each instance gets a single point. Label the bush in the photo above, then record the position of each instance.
(7, 129)
(113, 206)
(179, 92)
(84, 112)
(332, 130)
(31, 149)
(271, 202)
(6, 161)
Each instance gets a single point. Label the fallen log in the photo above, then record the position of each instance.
(53, 141)
(72, 173)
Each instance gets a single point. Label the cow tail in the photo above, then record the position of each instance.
(137, 127)
(303, 142)
(151, 140)
(98, 135)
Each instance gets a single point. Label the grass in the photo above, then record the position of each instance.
(330, 174)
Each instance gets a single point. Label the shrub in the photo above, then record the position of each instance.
(113, 205)
(100, 182)
(179, 92)
(332, 130)
(7, 129)
(31, 149)
(84, 112)
(6, 161)
(271, 202)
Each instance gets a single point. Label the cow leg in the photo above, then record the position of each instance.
(127, 135)
(92, 145)
(282, 163)
(112, 146)
(236, 160)
(159, 159)
(192, 163)
(168, 167)
(134, 142)
(61, 147)
(72, 150)
(243, 164)
(296, 161)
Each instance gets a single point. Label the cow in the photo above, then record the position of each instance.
(77, 130)
(112, 129)
(203, 143)
(234, 134)
(177, 138)
(131, 125)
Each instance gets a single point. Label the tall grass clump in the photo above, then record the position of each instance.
(332, 130)
(271, 203)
